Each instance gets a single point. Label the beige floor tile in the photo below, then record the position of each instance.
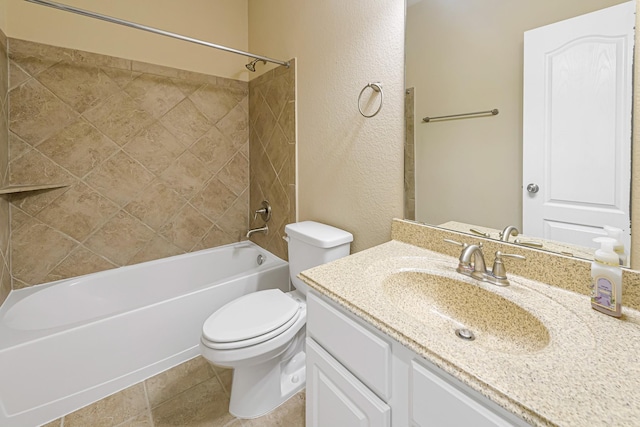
(206, 404)
(142, 420)
(225, 376)
(289, 414)
(111, 411)
(171, 383)
(55, 423)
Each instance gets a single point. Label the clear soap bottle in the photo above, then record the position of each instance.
(606, 275)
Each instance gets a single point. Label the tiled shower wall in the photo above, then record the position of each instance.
(409, 155)
(5, 277)
(155, 161)
(272, 152)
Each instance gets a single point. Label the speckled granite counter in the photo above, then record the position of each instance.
(586, 374)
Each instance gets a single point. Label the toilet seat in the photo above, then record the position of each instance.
(250, 320)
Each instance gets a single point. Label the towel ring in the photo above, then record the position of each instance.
(377, 87)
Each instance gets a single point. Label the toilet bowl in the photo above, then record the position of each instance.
(261, 335)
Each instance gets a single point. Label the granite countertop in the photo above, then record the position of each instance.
(587, 372)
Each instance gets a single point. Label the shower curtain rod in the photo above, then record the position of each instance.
(152, 30)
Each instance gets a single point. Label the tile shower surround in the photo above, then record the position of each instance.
(155, 159)
(156, 163)
(272, 142)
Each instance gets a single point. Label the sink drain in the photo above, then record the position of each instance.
(465, 334)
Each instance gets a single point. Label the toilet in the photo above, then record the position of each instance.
(261, 335)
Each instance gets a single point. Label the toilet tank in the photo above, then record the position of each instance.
(312, 244)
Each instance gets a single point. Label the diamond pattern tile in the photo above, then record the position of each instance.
(156, 166)
(272, 153)
(78, 148)
(80, 86)
(186, 229)
(120, 238)
(120, 178)
(187, 175)
(186, 122)
(36, 249)
(119, 117)
(215, 102)
(78, 212)
(155, 148)
(155, 94)
(214, 149)
(147, 208)
(35, 113)
(214, 199)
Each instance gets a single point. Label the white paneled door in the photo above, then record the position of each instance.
(577, 126)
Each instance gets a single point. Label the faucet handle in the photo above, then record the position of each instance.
(479, 233)
(455, 242)
(264, 211)
(499, 271)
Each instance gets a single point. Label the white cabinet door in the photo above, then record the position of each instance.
(338, 399)
(436, 402)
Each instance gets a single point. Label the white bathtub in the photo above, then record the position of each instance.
(66, 344)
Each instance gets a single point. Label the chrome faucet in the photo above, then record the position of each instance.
(508, 231)
(475, 269)
(265, 213)
(264, 230)
(471, 263)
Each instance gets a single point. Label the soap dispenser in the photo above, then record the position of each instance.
(606, 293)
(618, 247)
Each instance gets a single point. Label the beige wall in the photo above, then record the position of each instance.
(462, 57)
(154, 161)
(350, 169)
(3, 15)
(217, 21)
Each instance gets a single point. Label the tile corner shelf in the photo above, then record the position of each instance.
(10, 189)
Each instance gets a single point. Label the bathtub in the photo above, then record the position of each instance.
(68, 343)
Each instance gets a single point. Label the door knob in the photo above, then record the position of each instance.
(533, 188)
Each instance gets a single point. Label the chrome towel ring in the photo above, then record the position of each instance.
(377, 87)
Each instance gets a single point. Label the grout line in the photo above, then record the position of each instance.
(146, 396)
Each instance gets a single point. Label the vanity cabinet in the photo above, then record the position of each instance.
(358, 376)
(335, 397)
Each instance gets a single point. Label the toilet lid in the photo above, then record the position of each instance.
(250, 316)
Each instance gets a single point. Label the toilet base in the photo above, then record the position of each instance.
(278, 381)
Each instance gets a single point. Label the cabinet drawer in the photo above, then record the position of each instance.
(362, 352)
(437, 402)
(336, 398)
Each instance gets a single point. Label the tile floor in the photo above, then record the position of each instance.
(192, 394)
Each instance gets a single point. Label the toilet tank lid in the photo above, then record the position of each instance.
(317, 234)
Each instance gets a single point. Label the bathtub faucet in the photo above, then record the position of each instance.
(264, 230)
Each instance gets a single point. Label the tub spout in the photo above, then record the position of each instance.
(264, 230)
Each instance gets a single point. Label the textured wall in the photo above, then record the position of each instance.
(272, 150)
(155, 161)
(3, 17)
(217, 21)
(350, 169)
(5, 276)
